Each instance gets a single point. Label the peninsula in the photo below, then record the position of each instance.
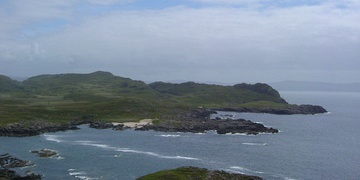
(49, 103)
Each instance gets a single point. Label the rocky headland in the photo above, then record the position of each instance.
(35, 128)
(305, 109)
(199, 121)
(195, 121)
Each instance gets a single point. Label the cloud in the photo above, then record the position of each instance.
(224, 43)
(109, 2)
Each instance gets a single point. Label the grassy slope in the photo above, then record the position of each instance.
(188, 173)
(103, 96)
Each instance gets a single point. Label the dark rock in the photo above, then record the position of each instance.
(198, 121)
(11, 174)
(45, 153)
(288, 110)
(101, 125)
(7, 162)
(34, 128)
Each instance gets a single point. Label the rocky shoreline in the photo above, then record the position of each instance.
(35, 128)
(195, 121)
(304, 109)
(8, 162)
(199, 121)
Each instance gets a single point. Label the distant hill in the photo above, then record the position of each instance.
(102, 95)
(205, 94)
(9, 85)
(94, 83)
(315, 86)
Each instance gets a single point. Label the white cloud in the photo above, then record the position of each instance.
(226, 43)
(109, 2)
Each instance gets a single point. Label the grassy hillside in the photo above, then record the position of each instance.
(189, 173)
(8, 85)
(103, 96)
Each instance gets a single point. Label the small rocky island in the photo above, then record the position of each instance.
(189, 173)
(45, 153)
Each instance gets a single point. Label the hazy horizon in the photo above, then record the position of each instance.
(224, 41)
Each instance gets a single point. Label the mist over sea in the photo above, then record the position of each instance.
(323, 146)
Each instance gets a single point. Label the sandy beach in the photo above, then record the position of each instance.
(136, 124)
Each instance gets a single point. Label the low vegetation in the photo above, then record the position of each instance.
(189, 173)
(103, 96)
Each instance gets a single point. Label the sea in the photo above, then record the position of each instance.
(323, 146)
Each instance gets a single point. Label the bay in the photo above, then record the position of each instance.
(323, 146)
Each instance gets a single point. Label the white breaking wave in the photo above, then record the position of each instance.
(91, 143)
(85, 178)
(154, 154)
(169, 135)
(255, 144)
(127, 150)
(238, 134)
(79, 174)
(55, 138)
(239, 168)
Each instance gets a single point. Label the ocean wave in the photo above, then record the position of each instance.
(91, 143)
(77, 173)
(179, 157)
(255, 144)
(237, 134)
(126, 150)
(85, 178)
(80, 174)
(239, 168)
(169, 135)
(243, 170)
(54, 138)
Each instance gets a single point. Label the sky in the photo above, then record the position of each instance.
(227, 41)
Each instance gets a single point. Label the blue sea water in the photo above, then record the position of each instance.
(324, 146)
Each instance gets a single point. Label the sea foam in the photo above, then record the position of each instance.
(255, 144)
(54, 138)
(169, 135)
(125, 150)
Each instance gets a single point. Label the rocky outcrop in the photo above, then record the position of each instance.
(8, 162)
(288, 110)
(190, 172)
(220, 126)
(45, 153)
(101, 125)
(11, 174)
(199, 122)
(35, 128)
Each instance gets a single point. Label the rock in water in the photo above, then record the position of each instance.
(45, 153)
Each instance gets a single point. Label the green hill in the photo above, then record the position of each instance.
(189, 173)
(9, 85)
(103, 96)
(218, 96)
